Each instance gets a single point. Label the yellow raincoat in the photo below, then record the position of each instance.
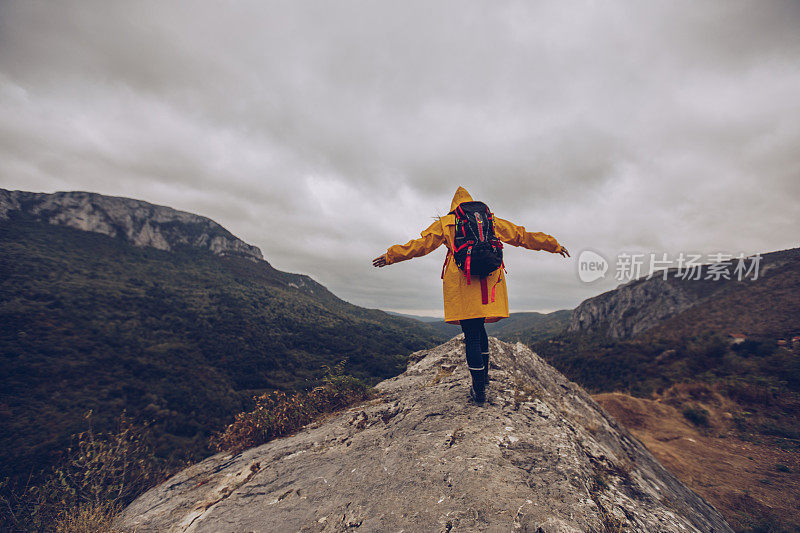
(463, 301)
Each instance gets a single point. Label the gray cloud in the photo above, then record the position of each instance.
(648, 126)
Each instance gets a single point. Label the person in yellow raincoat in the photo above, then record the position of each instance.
(463, 301)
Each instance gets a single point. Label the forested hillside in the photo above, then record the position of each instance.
(183, 338)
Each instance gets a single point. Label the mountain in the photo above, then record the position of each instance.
(541, 455)
(767, 308)
(530, 327)
(135, 221)
(441, 327)
(426, 319)
(527, 327)
(642, 304)
(111, 304)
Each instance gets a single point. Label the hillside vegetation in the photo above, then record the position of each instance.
(184, 339)
(525, 327)
(529, 327)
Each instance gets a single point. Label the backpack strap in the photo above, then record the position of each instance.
(468, 243)
(466, 265)
(499, 279)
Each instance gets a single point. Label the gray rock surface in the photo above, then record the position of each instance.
(540, 456)
(632, 308)
(140, 223)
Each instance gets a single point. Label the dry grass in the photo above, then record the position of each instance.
(97, 477)
(87, 519)
(739, 477)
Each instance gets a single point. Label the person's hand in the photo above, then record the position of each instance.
(563, 252)
(379, 261)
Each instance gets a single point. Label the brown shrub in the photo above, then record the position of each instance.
(97, 476)
(278, 414)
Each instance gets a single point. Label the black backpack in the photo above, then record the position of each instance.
(477, 250)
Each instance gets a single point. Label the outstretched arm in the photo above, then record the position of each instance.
(430, 239)
(514, 235)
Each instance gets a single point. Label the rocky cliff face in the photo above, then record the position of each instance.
(140, 223)
(631, 308)
(540, 456)
(643, 304)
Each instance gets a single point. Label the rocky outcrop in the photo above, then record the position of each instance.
(138, 222)
(632, 308)
(540, 456)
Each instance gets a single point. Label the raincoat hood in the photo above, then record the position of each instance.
(460, 196)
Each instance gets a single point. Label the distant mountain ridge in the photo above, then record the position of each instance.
(645, 304)
(530, 326)
(526, 326)
(421, 318)
(139, 222)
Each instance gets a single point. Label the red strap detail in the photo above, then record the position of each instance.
(468, 243)
(495, 286)
(469, 278)
(485, 292)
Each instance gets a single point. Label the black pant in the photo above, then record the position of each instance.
(476, 341)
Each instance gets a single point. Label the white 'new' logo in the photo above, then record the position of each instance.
(591, 266)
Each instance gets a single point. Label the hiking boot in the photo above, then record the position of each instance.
(477, 391)
(480, 400)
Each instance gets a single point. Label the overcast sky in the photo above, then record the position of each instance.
(324, 132)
